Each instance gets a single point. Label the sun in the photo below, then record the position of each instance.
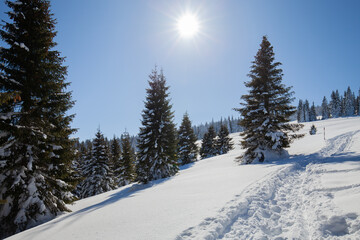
(188, 25)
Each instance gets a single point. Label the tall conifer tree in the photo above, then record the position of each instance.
(349, 103)
(266, 109)
(127, 172)
(78, 164)
(36, 151)
(223, 143)
(357, 105)
(325, 109)
(306, 110)
(115, 155)
(312, 113)
(157, 157)
(300, 111)
(97, 172)
(208, 146)
(187, 149)
(335, 104)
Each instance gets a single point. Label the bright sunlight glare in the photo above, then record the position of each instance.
(188, 25)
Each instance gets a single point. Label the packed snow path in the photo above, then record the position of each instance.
(289, 204)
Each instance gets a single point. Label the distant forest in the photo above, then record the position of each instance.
(345, 105)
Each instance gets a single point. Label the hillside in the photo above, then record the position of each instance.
(311, 195)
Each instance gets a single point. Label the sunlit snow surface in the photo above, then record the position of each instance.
(314, 194)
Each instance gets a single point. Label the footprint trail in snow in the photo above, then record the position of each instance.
(289, 204)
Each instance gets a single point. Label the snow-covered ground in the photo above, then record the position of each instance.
(315, 194)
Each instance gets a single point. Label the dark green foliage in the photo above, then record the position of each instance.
(96, 171)
(266, 109)
(325, 109)
(223, 143)
(127, 172)
(312, 113)
(78, 165)
(335, 104)
(357, 105)
(187, 149)
(349, 103)
(230, 122)
(208, 146)
(115, 155)
(300, 112)
(157, 144)
(306, 109)
(313, 130)
(115, 150)
(37, 153)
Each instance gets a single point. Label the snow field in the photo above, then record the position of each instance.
(314, 194)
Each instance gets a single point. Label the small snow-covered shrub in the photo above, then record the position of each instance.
(313, 130)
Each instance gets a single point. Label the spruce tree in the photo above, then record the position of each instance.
(306, 110)
(127, 173)
(312, 113)
(187, 149)
(349, 103)
(208, 146)
(357, 105)
(266, 109)
(115, 155)
(230, 125)
(97, 172)
(300, 112)
(36, 151)
(342, 105)
(325, 109)
(78, 165)
(224, 144)
(335, 104)
(157, 157)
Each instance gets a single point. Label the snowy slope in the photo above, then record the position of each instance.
(312, 195)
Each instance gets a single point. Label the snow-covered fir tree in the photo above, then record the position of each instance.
(349, 103)
(78, 164)
(115, 161)
(126, 172)
(157, 143)
(312, 113)
(96, 171)
(306, 109)
(357, 105)
(187, 148)
(325, 109)
(342, 106)
(335, 104)
(208, 146)
(230, 125)
(300, 112)
(36, 152)
(224, 141)
(266, 109)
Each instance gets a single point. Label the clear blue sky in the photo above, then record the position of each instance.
(111, 47)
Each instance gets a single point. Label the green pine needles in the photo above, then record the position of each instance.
(97, 169)
(35, 149)
(266, 109)
(157, 156)
(187, 149)
(127, 173)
